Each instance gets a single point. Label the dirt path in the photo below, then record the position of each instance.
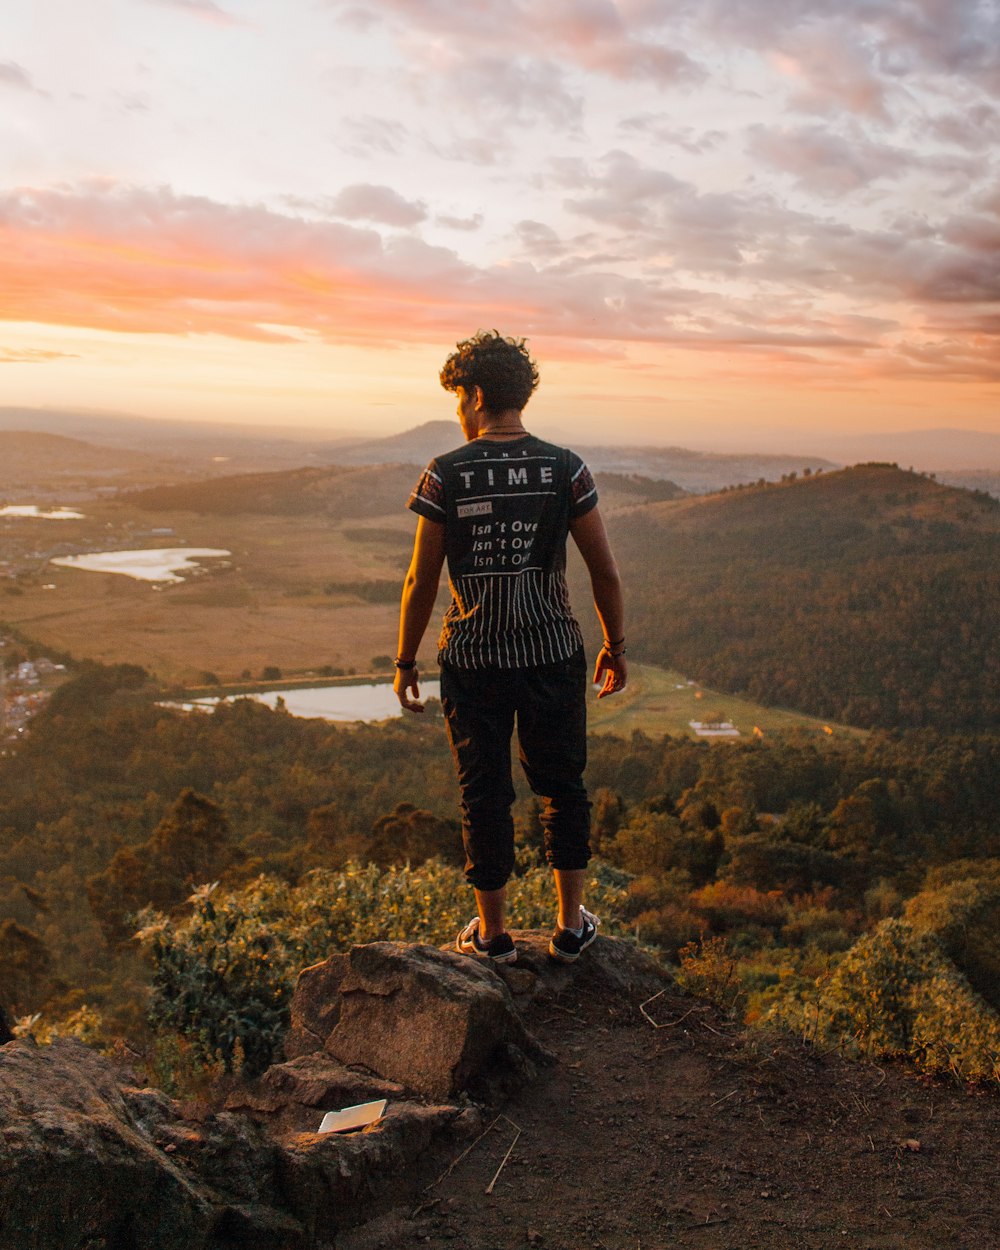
(698, 1135)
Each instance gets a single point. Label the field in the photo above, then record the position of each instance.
(269, 608)
(658, 701)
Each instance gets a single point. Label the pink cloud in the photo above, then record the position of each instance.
(122, 258)
(13, 75)
(365, 201)
(592, 34)
(205, 10)
(826, 162)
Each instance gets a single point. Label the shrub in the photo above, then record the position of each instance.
(896, 994)
(223, 977)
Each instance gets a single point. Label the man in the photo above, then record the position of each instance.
(500, 509)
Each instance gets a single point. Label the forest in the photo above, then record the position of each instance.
(868, 596)
(804, 881)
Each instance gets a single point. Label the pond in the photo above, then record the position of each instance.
(370, 702)
(43, 514)
(155, 564)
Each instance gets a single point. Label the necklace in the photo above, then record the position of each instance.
(514, 429)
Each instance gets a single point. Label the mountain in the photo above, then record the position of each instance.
(415, 446)
(869, 595)
(696, 471)
(55, 464)
(203, 442)
(343, 491)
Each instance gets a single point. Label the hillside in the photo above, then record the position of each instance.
(341, 491)
(344, 491)
(30, 459)
(695, 471)
(870, 595)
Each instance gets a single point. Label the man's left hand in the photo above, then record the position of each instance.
(406, 681)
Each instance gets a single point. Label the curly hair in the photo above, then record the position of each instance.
(501, 366)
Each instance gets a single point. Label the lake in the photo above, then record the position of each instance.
(44, 514)
(154, 564)
(369, 702)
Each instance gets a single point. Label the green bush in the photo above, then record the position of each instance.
(223, 977)
(896, 994)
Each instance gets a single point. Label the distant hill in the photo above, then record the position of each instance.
(32, 459)
(345, 491)
(338, 492)
(696, 471)
(869, 595)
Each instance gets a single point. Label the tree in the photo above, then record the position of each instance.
(190, 846)
(25, 967)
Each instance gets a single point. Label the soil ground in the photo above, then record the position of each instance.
(701, 1134)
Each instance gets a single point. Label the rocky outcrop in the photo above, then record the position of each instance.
(436, 1022)
(89, 1159)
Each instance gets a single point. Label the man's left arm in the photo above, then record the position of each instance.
(590, 536)
(420, 589)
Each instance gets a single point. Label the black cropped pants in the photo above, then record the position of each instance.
(549, 705)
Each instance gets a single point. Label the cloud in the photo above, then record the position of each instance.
(370, 134)
(366, 201)
(13, 75)
(587, 34)
(836, 72)
(205, 10)
(623, 193)
(139, 260)
(502, 90)
(831, 164)
(31, 356)
(823, 161)
(459, 223)
(663, 129)
(976, 129)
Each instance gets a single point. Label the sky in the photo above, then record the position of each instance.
(716, 221)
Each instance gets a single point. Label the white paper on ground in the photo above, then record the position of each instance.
(353, 1117)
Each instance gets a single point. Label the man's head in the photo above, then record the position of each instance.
(500, 367)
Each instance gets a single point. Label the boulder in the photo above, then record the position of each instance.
(74, 1169)
(437, 1022)
(88, 1160)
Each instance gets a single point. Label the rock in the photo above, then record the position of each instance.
(333, 1173)
(86, 1162)
(71, 1159)
(88, 1159)
(293, 1097)
(610, 967)
(434, 1021)
(315, 1006)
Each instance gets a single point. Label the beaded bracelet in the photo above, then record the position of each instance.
(404, 665)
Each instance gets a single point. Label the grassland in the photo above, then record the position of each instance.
(270, 607)
(659, 701)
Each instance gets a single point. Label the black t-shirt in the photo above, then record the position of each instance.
(506, 507)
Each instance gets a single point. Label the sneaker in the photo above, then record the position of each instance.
(499, 950)
(567, 945)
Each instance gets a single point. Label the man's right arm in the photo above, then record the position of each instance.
(419, 592)
(591, 538)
